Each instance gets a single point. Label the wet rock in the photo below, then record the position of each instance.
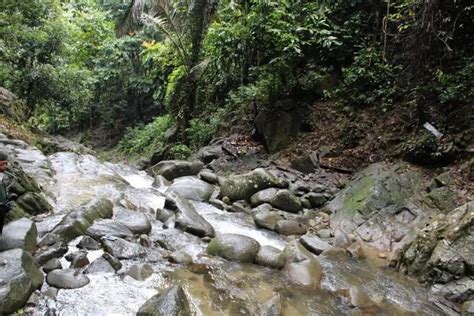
(305, 203)
(189, 220)
(324, 233)
(356, 250)
(145, 241)
(75, 223)
(160, 182)
(457, 290)
(114, 262)
(242, 187)
(443, 249)
(122, 249)
(140, 272)
(341, 239)
(280, 199)
(44, 254)
(21, 233)
(164, 215)
(442, 199)
(51, 265)
(234, 247)
(316, 199)
(239, 207)
(267, 219)
(302, 268)
(108, 227)
(88, 243)
(48, 240)
(67, 279)
(209, 177)
(136, 222)
(99, 265)
(269, 256)
(314, 243)
(79, 260)
(272, 307)
(51, 292)
(191, 188)
(172, 302)
(20, 277)
(290, 227)
(468, 308)
(33, 203)
(180, 257)
(356, 298)
(171, 169)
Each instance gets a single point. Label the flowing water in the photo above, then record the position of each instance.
(215, 286)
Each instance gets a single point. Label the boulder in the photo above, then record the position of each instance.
(171, 169)
(314, 244)
(160, 182)
(316, 199)
(277, 126)
(242, 187)
(468, 308)
(281, 199)
(290, 227)
(191, 188)
(140, 272)
(67, 279)
(76, 222)
(79, 259)
(88, 243)
(137, 222)
(302, 268)
(188, 219)
(180, 257)
(443, 250)
(269, 256)
(122, 249)
(172, 302)
(52, 264)
(46, 253)
(114, 262)
(20, 277)
(267, 219)
(108, 227)
(377, 205)
(99, 265)
(234, 247)
(21, 233)
(209, 176)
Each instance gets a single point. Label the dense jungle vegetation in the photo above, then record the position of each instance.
(169, 75)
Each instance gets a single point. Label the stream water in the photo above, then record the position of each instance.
(215, 286)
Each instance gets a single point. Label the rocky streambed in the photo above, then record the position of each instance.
(183, 238)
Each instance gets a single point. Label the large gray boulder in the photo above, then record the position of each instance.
(281, 199)
(172, 302)
(137, 222)
(302, 268)
(443, 250)
(20, 277)
(234, 247)
(269, 256)
(192, 188)
(188, 219)
(242, 187)
(377, 205)
(122, 249)
(171, 169)
(108, 227)
(21, 233)
(314, 244)
(67, 279)
(76, 222)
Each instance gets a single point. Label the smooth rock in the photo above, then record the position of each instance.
(108, 227)
(114, 262)
(314, 243)
(316, 199)
(99, 265)
(281, 199)
(267, 219)
(122, 249)
(44, 254)
(160, 182)
(234, 247)
(140, 272)
(75, 223)
(191, 188)
(67, 279)
(290, 227)
(468, 308)
(136, 222)
(209, 177)
(269, 256)
(88, 243)
(302, 268)
(180, 257)
(20, 277)
(171, 169)
(21, 234)
(79, 260)
(242, 187)
(51, 265)
(172, 302)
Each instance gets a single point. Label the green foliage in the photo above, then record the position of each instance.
(201, 131)
(179, 151)
(145, 139)
(456, 87)
(370, 80)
